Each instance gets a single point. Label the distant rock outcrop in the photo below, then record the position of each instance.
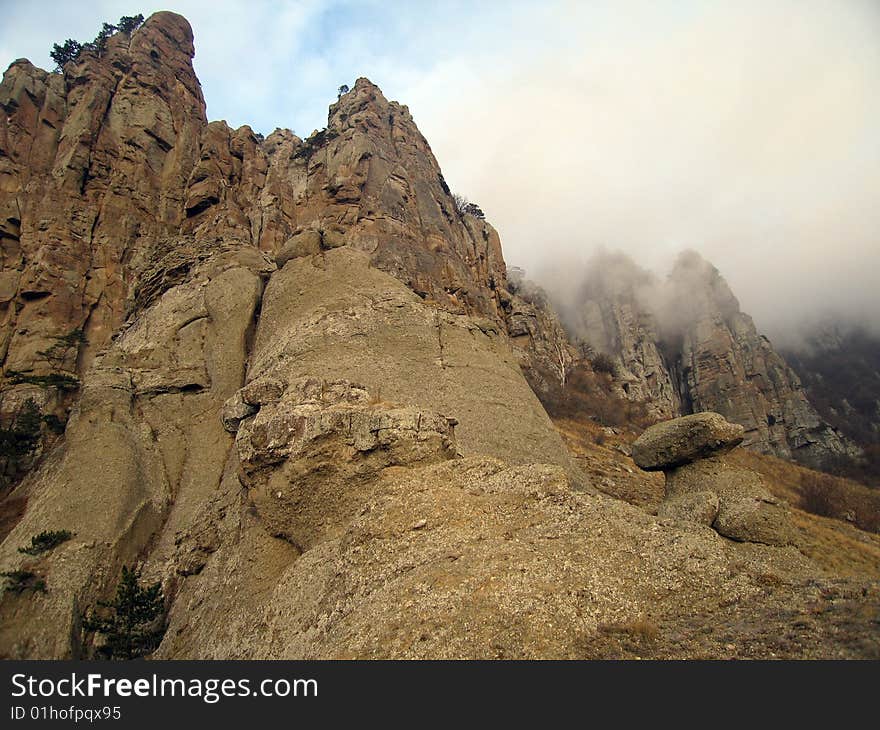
(685, 346)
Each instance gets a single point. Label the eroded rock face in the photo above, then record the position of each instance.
(726, 366)
(685, 346)
(369, 181)
(702, 487)
(614, 315)
(143, 453)
(312, 444)
(536, 333)
(111, 178)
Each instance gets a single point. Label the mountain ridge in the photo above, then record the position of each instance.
(286, 378)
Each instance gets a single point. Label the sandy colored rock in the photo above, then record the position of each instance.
(306, 243)
(334, 454)
(341, 318)
(698, 506)
(747, 511)
(683, 440)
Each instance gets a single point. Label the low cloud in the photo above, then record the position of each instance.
(746, 131)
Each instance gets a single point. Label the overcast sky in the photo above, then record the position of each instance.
(749, 131)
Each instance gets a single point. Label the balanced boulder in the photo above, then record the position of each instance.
(684, 440)
(703, 487)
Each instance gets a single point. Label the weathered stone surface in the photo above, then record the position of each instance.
(464, 558)
(754, 518)
(110, 176)
(304, 455)
(93, 165)
(337, 316)
(728, 367)
(305, 243)
(698, 506)
(683, 440)
(328, 455)
(702, 487)
(747, 511)
(143, 451)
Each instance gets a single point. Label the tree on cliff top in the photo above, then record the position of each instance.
(70, 50)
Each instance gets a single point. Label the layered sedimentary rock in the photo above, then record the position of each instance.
(685, 346)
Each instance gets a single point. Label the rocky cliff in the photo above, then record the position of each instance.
(295, 399)
(685, 346)
(111, 178)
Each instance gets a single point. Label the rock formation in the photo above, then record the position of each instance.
(295, 395)
(839, 366)
(614, 315)
(110, 176)
(702, 487)
(685, 346)
(537, 335)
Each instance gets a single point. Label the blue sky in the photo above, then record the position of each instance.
(747, 130)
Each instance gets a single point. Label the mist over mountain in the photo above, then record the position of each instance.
(745, 131)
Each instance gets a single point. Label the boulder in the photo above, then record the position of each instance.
(702, 487)
(684, 440)
(745, 510)
(305, 243)
(700, 507)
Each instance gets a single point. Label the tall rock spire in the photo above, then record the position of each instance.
(684, 346)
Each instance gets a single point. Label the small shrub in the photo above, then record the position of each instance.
(475, 210)
(18, 441)
(65, 53)
(45, 541)
(53, 423)
(64, 345)
(603, 363)
(588, 395)
(62, 381)
(71, 50)
(464, 207)
(461, 202)
(641, 628)
(828, 496)
(817, 495)
(19, 581)
(129, 622)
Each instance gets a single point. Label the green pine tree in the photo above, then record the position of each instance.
(129, 620)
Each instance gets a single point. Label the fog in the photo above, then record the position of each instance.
(749, 132)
